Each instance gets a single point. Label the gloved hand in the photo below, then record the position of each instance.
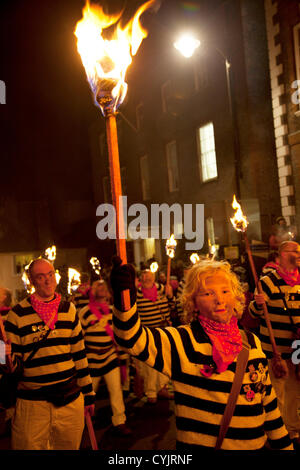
(122, 277)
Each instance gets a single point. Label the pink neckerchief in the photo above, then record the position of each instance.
(292, 278)
(47, 311)
(226, 340)
(84, 289)
(4, 310)
(150, 294)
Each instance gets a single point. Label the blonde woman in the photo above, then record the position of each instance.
(200, 358)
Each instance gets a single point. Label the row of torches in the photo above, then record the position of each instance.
(74, 276)
(239, 222)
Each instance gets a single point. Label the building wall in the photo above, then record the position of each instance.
(281, 16)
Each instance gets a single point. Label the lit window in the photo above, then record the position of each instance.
(172, 165)
(207, 154)
(145, 177)
(297, 49)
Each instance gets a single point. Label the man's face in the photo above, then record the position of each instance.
(216, 300)
(147, 280)
(290, 255)
(43, 279)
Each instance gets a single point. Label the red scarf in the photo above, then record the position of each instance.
(4, 310)
(150, 294)
(292, 278)
(98, 308)
(84, 289)
(47, 311)
(226, 340)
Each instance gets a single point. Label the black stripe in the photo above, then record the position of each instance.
(280, 443)
(215, 407)
(273, 424)
(55, 377)
(192, 425)
(159, 361)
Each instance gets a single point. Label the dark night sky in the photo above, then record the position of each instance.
(44, 124)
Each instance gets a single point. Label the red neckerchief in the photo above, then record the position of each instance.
(292, 278)
(226, 340)
(47, 311)
(84, 289)
(150, 294)
(4, 310)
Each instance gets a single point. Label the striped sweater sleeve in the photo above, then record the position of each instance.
(182, 353)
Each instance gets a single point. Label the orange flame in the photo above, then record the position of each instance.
(239, 221)
(171, 244)
(106, 61)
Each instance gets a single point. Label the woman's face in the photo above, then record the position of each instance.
(216, 299)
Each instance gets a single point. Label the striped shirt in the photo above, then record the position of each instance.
(60, 358)
(275, 290)
(181, 353)
(153, 313)
(100, 348)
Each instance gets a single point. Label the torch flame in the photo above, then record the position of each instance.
(195, 258)
(25, 278)
(106, 61)
(51, 253)
(154, 267)
(96, 265)
(171, 244)
(239, 221)
(73, 280)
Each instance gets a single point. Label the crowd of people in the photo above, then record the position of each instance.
(203, 341)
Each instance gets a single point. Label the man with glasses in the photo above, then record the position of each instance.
(281, 293)
(56, 388)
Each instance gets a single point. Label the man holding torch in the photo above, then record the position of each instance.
(55, 389)
(281, 294)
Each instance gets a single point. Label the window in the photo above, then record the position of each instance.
(297, 49)
(173, 176)
(106, 189)
(297, 62)
(166, 93)
(139, 116)
(207, 154)
(145, 177)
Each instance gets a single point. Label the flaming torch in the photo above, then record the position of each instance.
(194, 258)
(154, 267)
(240, 223)
(50, 253)
(73, 280)
(171, 244)
(106, 62)
(96, 265)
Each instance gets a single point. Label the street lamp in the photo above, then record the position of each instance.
(187, 44)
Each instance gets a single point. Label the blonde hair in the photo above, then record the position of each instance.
(195, 280)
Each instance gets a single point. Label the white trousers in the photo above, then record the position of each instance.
(154, 381)
(114, 387)
(39, 425)
(288, 397)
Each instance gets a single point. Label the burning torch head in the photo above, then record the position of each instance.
(106, 60)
